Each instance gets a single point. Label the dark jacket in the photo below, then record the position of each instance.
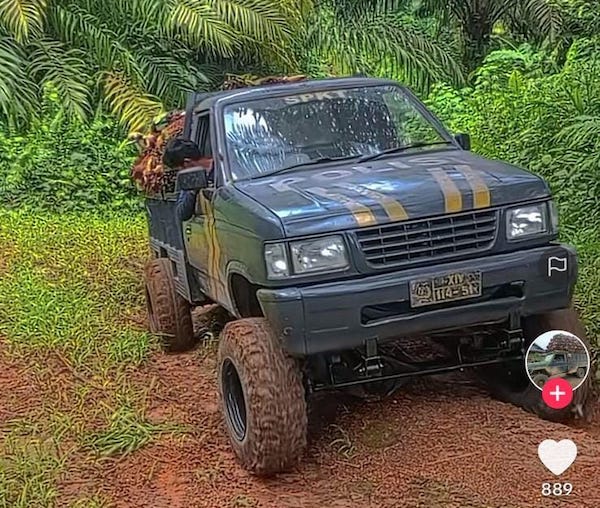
(186, 205)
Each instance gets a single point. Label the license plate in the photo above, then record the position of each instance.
(445, 288)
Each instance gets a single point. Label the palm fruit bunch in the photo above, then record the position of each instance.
(234, 81)
(562, 342)
(148, 171)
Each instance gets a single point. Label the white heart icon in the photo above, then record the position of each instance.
(557, 456)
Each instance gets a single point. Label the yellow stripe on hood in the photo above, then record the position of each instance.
(392, 207)
(452, 195)
(481, 192)
(363, 215)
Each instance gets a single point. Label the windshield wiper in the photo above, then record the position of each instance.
(307, 163)
(398, 149)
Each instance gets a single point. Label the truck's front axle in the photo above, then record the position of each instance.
(384, 365)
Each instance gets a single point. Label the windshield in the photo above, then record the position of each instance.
(267, 135)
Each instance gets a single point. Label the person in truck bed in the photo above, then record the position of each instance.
(180, 154)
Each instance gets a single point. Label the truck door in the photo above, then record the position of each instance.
(195, 230)
(559, 363)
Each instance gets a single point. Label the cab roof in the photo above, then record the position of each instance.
(204, 101)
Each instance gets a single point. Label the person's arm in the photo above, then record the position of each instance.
(186, 205)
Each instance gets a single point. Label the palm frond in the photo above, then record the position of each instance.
(355, 8)
(544, 16)
(18, 93)
(296, 11)
(260, 20)
(170, 78)
(374, 40)
(201, 26)
(23, 19)
(66, 69)
(134, 108)
(80, 29)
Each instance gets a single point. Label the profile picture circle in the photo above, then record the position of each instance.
(558, 354)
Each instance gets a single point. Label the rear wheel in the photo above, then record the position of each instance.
(262, 397)
(580, 372)
(510, 383)
(169, 313)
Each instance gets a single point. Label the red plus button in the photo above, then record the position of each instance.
(557, 393)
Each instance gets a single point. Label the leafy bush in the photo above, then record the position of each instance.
(61, 164)
(527, 110)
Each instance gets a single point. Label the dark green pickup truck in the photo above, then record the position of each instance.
(341, 222)
(558, 364)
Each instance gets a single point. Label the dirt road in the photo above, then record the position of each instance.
(438, 443)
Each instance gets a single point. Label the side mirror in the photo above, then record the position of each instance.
(191, 179)
(464, 140)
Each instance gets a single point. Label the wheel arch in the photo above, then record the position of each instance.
(242, 292)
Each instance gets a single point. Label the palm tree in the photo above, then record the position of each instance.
(377, 37)
(134, 57)
(139, 57)
(476, 20)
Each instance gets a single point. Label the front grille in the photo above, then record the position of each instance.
(428, 239)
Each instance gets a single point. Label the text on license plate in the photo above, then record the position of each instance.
(445, 288)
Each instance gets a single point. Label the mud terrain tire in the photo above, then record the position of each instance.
(540, 379)
(512, 384)
(262, 397)
(168, 312)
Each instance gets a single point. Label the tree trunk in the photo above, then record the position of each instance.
(477, 35)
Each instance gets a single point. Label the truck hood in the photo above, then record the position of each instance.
(333, 197)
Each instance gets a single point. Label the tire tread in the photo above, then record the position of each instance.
(275, 400)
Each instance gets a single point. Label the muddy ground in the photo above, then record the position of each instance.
(441, 442)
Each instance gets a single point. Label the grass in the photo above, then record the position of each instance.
(71, 301)
(28, 470)
(128, 431)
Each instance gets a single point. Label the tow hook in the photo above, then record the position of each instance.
(373, 364)
(514, 339)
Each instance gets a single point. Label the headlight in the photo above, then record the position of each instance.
(308, 256)
(526, 221)
(276, 259)
(320, 254)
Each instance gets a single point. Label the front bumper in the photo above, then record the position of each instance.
(342, 315)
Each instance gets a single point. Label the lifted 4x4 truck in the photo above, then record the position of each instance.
(341, 222)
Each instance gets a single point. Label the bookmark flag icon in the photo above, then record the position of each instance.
(556, 264)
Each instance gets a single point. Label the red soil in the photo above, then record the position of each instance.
(442, 443)
(437, 443)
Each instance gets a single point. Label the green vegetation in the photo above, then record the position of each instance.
(521, 76)
(60, 164)
(70, 297)
(526, 109)
(133, 57)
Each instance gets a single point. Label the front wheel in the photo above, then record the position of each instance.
(511, 383)
(262, 397)
(540, 380)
